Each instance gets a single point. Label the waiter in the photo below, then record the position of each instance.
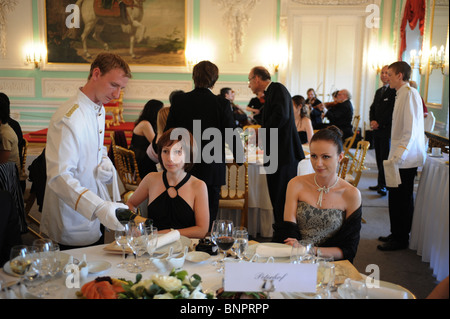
(407, 153)
(76, 200)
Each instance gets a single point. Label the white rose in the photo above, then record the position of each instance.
(197, 294)
(167, 295)
(143, 283)
(184, 293)
(168, 283)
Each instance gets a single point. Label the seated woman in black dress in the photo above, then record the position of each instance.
(322, 207)
(143, 134)
(176, 199)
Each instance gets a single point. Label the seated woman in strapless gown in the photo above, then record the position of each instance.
(322, 207)
(176, 199)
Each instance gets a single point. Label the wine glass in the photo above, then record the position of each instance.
(121, 240)
(240, 235)
(152, 241)
(223, 235)
(19, 259)
(137, 239)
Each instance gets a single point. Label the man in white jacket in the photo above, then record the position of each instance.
(75, 201)
(407, 153)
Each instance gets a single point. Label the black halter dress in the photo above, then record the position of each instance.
(167, 212)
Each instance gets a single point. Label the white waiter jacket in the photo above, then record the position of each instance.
(407, 134)
(73, 152)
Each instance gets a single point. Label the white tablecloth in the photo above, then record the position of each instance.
(211, 279)
(429, 232)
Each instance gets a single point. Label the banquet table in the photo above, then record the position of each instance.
(260, 211)
(429, 232)
(211, 279)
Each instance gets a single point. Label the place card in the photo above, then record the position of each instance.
(281, 277)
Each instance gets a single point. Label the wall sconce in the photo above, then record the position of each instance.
(196, 52)
(379, 56)
(274, 56)
(416, 60)
(35, 54)
(433, 59)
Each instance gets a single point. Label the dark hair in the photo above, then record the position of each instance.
(109, 61)
(261, 72)
(150, 113)
(165, 140)
(224, 91)
(300, 102)
(403, 68)
(174, 93)
(4, 108)
(205, 74)
(309, 90)
(331, 133)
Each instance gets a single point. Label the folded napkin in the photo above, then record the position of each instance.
(391, 173)
(168, 238)
(274, 250)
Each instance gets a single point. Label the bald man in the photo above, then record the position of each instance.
(341, 114)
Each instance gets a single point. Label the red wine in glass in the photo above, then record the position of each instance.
(225, 242)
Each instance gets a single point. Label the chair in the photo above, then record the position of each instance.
(357, 166)
(343, 168)
(232, 196)
(127, 168)
(350, 140)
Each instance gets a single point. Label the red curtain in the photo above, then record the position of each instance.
(414, 12)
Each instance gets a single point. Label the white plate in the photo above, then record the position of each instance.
(197, 256)
(7, 268)
(96, 267)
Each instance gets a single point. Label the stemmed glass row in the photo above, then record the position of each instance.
(140, 239)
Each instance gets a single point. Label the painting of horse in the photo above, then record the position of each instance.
(143, 32)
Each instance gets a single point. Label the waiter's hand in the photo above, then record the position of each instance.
(106, 214)
(105, 171)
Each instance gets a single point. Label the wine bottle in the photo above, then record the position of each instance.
(124, 215)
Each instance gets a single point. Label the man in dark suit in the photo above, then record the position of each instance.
(278, 114)
(381, 123)
(210, 111)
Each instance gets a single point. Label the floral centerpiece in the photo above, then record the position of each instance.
(177, 285)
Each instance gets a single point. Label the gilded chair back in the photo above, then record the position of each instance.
(234, 195)
(357, 166)
(350, 140)
(127, 168)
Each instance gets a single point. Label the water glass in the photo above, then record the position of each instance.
(152, 244)
(137, 239)
(120, 237)
(240, 247)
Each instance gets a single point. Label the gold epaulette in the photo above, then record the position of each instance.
(73, 109)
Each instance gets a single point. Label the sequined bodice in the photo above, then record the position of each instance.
(318, 224)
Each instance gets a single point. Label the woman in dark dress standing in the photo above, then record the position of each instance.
(144, 132)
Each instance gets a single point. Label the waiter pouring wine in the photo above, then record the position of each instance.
(76, 198)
